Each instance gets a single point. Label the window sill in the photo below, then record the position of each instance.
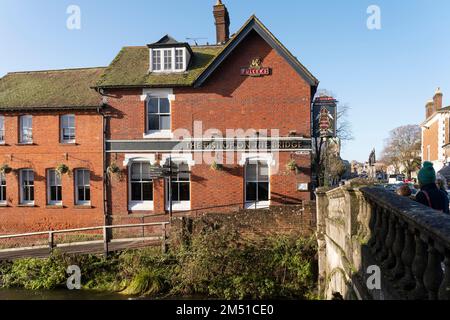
(54, 206)
(180, 206)
(68, 144)
(83, 206)
(26, 144)
(4, 205)
(27, 206)
(257, 205)
(137, 207)
(158, 135)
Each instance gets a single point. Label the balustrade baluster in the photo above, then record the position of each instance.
(399, 245)
(408, 282)
(433, 273)
(383, 234)
(418, 267)
(373, 225)
(389, 263)
(444, 290)
(387, 247)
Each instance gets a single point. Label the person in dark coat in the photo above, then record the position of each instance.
(430, 195)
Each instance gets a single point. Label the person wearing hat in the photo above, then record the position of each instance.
(430, 195)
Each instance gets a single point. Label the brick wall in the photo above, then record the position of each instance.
(286, 220)
(430, 138)
(47, 153)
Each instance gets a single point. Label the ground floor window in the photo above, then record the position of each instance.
(141, 187)
(54, 188)
(26, 187)
(2, 188)
(180, 187)
(257, 184)
(82, 187)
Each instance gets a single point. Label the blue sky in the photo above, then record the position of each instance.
(385, 76)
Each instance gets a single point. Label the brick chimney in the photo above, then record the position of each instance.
(437, 99)
(430, 108)
(222, 22)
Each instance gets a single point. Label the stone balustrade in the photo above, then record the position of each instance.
(368, 226)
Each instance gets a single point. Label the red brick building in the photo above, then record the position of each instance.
(51, 151)
(232, 121)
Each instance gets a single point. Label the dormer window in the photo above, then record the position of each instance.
(168, 55)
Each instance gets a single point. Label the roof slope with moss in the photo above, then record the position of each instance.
(131, 69)
(53, 89)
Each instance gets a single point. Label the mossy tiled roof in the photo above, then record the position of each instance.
(131, 69)
(56, 89)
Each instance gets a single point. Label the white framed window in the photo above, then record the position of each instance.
(180, 187)
(257, 184)
(158, 115)
(54, 188)
(26, 177)
(168, 60)
(67, 123)
(2, 129)
(3, 200)
(156, 60)
(179, 59)
(140, 187)
(82, 187)
(26, 129)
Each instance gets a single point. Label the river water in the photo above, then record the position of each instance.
(18, 294)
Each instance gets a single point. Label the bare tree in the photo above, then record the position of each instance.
(402, 149)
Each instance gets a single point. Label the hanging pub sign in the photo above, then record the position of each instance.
(256, 69)
(325, 117)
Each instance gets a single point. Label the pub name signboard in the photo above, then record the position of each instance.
(256, 69)
(231, 145)
(324, 117)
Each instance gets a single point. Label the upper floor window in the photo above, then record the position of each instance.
(26, 186)
(54, 188)
(2, 129)
(2, 188)
(158, 114)
(82, 187)
(26, 129)
(168, 60)
(67, 123)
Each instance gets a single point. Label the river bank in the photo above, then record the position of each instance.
(216, 264)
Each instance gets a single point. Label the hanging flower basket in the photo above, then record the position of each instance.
(5, 169)
(113, 169)
(62, 169)
(292, 165)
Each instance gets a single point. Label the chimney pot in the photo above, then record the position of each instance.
(437, 100)
(222, 20)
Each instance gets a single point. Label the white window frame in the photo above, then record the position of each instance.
(57, 177)
(79, 202)
(162, 65)
(62, 128)
(3, 189)
(2, 129)
(178, 158)
(22, 129)
(21, 185)
(257, 204)
(139, 205)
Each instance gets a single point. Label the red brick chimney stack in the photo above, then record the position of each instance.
(437, 99)
(222, 22)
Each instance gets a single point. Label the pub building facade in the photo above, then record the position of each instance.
(187, 128)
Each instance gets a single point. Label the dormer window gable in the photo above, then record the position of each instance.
(169, 56)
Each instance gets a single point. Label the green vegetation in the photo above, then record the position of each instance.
(217, 264)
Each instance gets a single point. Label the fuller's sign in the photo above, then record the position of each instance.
(256, 69)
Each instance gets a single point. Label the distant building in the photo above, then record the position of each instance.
(436, 132)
